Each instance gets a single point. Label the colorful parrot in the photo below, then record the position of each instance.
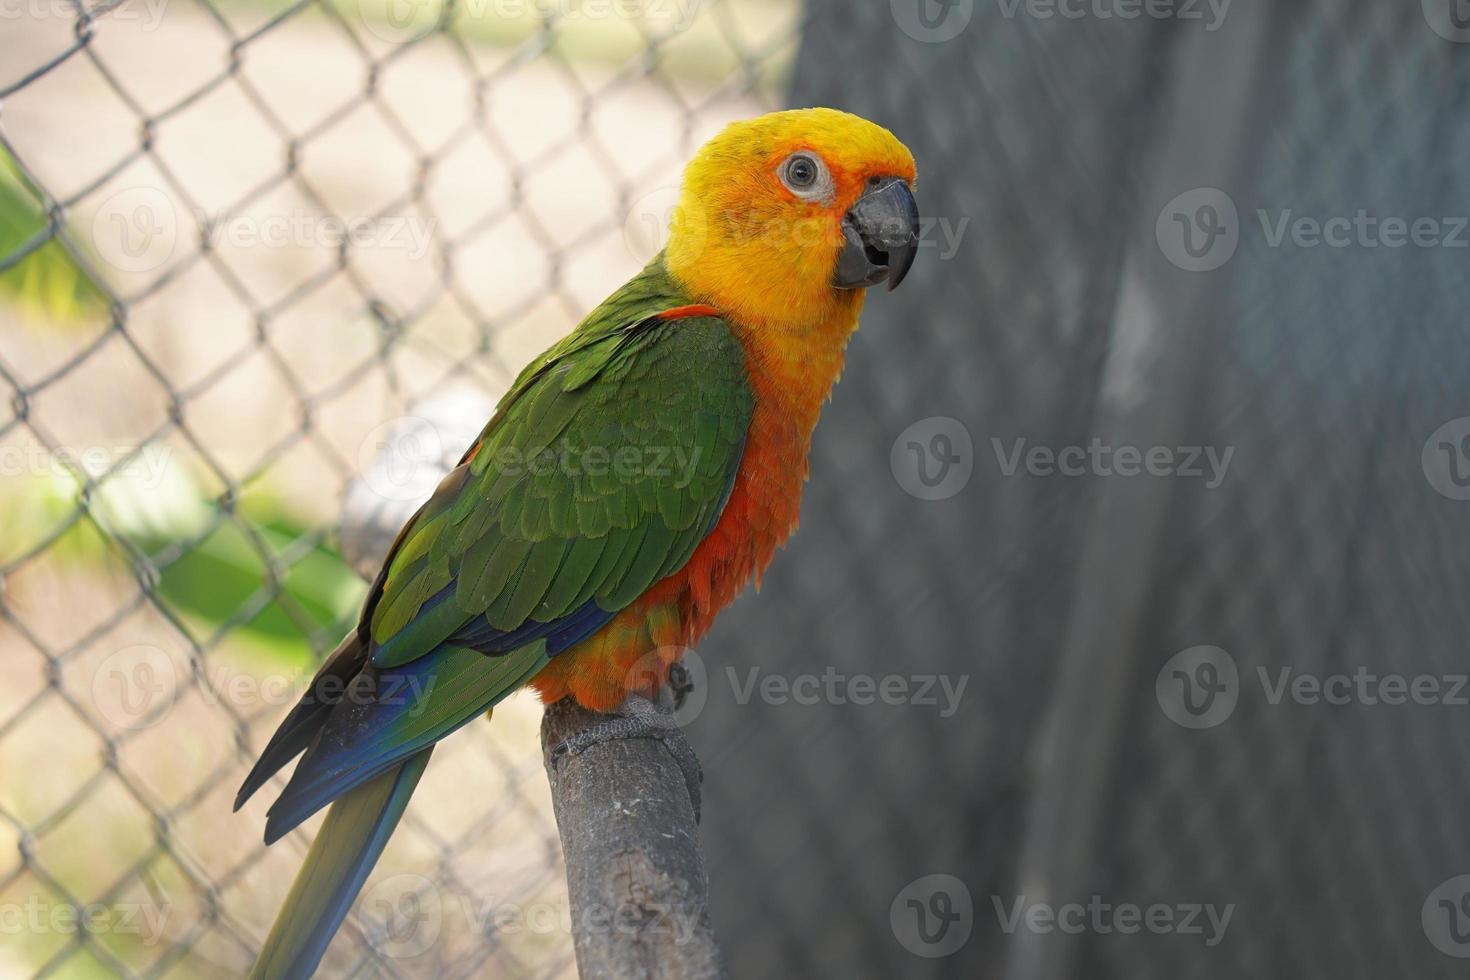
(556, 554)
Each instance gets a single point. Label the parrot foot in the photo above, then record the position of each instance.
(635, 718)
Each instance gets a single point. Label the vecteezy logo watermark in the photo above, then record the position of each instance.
(1363, 687)
(1101, 918)
(1210, 12)
(834, 687)
(407, 913)
(932, 916)
(1098, 459)
(932, 21)
(402, 459)
(1446, 459)
(1200, 688)
(143, 467)
(652, 219)
(135, 687)
(138, 686)
(397, 21)
(1446, 917)
(144, 920)
(138, 229)
(1199, 230)
(625, 463)
(674, 676)
(1361, 230)
(148, 14)
(1450, 19)
(678, 678)
(933, 459)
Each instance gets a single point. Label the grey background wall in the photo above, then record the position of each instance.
(1325, 548)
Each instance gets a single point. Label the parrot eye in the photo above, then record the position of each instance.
(801, 171)
(806, 176)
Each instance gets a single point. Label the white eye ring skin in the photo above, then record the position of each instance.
(806, 175)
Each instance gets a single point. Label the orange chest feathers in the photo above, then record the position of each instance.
(790, 380)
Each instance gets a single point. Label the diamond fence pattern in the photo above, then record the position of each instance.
(239, 240)
(252, 235)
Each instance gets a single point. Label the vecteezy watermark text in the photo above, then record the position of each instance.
(1098, 917)
(1361, 230)
(681, 675)
(148, 14)
(1099, 459)
(1211, 13)
(835, 687)
(624, 463)
(397, 21)
(139, 229)
(649, 220)
(145, 466)
(1201, 686)
(412, 910)
(402, 458)
(36, 917)
(138, 686)
(1201, 229)
(937, 21)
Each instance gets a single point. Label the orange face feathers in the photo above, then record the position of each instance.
(760, 224)
(749, 153)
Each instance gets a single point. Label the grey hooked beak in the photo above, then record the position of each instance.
(882, 233)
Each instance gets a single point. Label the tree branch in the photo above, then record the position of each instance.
(625, 789)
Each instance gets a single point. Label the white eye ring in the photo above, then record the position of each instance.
(805, 175)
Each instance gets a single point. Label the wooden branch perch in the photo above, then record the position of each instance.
(625, 789)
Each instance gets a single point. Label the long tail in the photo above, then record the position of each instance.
(348, 845)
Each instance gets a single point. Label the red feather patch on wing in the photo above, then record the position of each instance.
(684, 312)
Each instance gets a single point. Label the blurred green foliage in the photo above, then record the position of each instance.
(154, 505)
(47, 282)
(225, 574)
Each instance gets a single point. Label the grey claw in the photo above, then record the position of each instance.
(638, 717)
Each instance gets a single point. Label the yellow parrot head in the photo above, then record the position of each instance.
(800, 210)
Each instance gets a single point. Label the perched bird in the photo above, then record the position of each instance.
(633, 480)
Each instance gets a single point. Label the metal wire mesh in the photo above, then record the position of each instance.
(251, 235)
(238, 241)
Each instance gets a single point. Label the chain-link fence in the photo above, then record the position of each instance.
(238, 240)
(1014, 703)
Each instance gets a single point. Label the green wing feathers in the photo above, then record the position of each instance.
(600, 474)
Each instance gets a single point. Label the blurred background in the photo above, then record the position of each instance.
(1125, 634)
